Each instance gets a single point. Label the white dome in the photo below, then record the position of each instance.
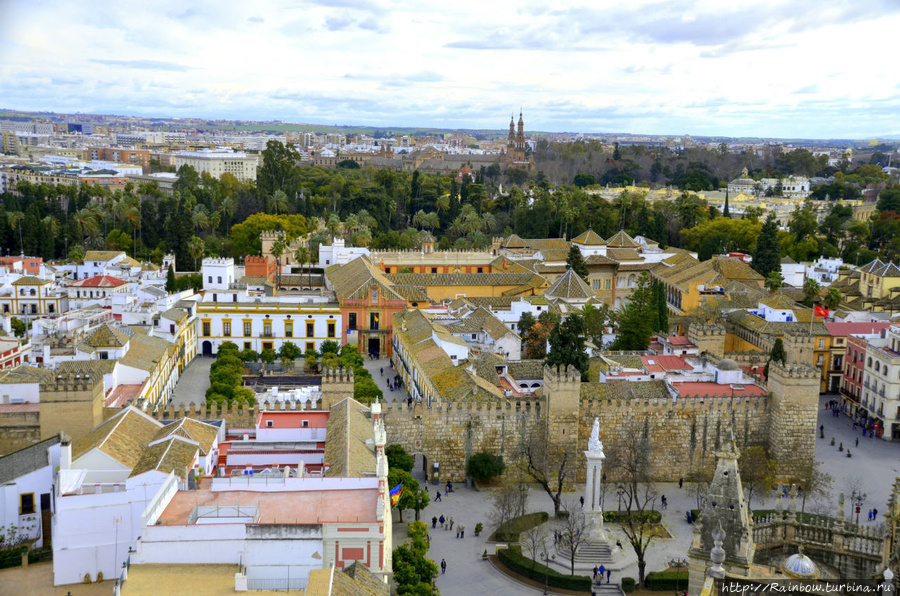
(799, 566)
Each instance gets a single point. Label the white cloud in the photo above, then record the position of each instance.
(746, 67)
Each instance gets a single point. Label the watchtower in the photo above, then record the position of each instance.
(337, 383)
(71, 403)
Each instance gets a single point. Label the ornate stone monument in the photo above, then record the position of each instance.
(593, 505)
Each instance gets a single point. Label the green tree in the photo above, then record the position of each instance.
(19, 328)
(778, 354)
(365, 390)
(245, 235)
(758, 471)
(662, 308)
(811, 289)
(409, 496)
(485, 466)
(567, 345)
(399, 459)
(575, 262)
(833, 298)
(288, 353)
(170, 280)
(596, 319)
(638, 318)
(250, 355)
(774, 281)
(767, 257)
(268, 356)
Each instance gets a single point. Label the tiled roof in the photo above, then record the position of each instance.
(881, 269)
(486, 367)
(354, 280)
(174, 454)
(788, 261)
(623, 254)
(426, 280)
(25, 460)
(526, 369)
(99, 281)
(174, 314)
(24, 374)
(589, 238)
(106, 336)
(411, 293)
(146, 352)
(30, 280)
(491, 302)
(124, 437)
(345, 440)
(555, 254)
(734, 268)
(94, 368)
(204, 434)
(622, 240)
(513, 242)
(364, 582)
(599, 260)
(101, 255)
(569, 286)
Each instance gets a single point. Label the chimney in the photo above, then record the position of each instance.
(65, 452)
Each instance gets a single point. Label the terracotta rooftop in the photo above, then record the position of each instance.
(285, 507)
(99, 281)
(345, 440)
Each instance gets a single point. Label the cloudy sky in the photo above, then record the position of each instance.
(780, 68)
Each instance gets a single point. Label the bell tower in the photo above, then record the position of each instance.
(520, 135)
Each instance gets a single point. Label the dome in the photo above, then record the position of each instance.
(799, 566)
(727, 364)
(744, 179)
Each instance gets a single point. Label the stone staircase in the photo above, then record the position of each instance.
(591, 553)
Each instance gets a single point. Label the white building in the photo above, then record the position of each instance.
(26, 489)
(216, 163)
(793, 273)
(339, 254)
(109, 478)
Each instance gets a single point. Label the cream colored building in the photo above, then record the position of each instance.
(216, 163)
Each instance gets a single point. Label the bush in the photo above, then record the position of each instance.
(619, 517)
(512, 557)
(658, 581)
(12, 557)
(398, 458)
(628, 584)
(509, 532)
(484, 466)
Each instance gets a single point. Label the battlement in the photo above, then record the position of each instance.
(218, 262)
(794, 370)
(254, 260)
(683, 403)
(70, 382)
(242, 416)
(337, 375)
(484, 406)
(559, 378)
(697, 330)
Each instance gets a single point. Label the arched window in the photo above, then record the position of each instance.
(32, 292)
(877, 366)
(869, 364)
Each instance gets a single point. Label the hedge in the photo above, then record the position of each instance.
(666, 580)
(12, 557)
(620, 517)
(628, 584)
(512, 557)
(509, 531)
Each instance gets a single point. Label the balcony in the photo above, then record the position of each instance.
(266, 334)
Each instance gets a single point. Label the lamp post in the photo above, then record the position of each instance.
(678, 564)
(620, 491)
(546, 557)
(857, 498)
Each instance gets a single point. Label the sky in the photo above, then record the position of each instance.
(760, 68)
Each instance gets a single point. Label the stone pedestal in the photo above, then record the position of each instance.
(593, 506)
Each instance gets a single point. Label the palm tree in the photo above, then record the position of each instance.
(278, 202)
(84, 220)
(363, 237)
(302, 256)
(811, 290)
(333, 225)
(365, 219)
(278, 248)
(196, 249)
(833, 298)
(351, 224)
(201, 218)
(774, 281)
(419, 219)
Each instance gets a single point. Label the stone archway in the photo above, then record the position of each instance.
(207, 348)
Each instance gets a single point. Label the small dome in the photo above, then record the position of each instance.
(799, 566)
(728, 364)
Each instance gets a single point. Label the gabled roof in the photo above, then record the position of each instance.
(622, 240)
(623, 254)
(172, 454)
(589, 238)
(354, 280)
(200, 432)
(102, 255)
(734, 268)
(346, 451)
(99, 281)
(145, 352)
(463, 279)
(599, 260)
(124, 437)
(106, 336)
(569, 286)
(513, 242)
(26, 460)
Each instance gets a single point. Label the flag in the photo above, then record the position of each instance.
(820, 312)
(395, 494)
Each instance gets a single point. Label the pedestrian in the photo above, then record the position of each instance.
(662, 500)
(437, 497)
(451, 522)
(608, 575)
(582, 501)
(874, 515)
(857, 441)
(602, 570)
(595, 573)
(443, 566)
(681, 482)
(449, 487)
(457, 531)
(433, 523)
(382, 371)
(462, 531)
(441, 520)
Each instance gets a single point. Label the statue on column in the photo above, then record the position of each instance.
(593, 508)
(595, 445)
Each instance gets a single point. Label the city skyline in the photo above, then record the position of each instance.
(771, 69)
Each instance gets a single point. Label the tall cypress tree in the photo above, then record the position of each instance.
(575, 262)
(662, 309)
(767, 257)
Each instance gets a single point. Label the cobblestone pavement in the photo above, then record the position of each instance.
(194, 382)
(375, 368)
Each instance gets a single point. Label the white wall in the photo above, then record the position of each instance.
(38, 482)
(17, 393)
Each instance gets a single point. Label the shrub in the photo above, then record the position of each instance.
(398, 458)
(512, 557)
(618, 517)
(666, 580)
(484, 466)
(509, 532)
(628, 584)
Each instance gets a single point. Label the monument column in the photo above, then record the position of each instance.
(593, 509)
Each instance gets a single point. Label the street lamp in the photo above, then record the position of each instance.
(620, 491)
(678, 564)
(857, 498)
(546, 557)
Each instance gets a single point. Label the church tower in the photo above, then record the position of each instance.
(520, 136)
(511, 140)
